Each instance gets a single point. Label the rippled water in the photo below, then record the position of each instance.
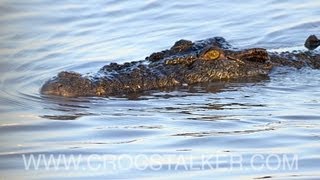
(278, 116)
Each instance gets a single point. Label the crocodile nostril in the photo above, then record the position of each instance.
(60, 86)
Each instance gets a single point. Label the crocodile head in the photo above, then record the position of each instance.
(211, 60)
(230, 64)
(185, 63)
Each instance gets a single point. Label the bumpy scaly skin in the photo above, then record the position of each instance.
(185, 63)
(312, 42)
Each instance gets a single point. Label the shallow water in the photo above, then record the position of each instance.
(257, 122)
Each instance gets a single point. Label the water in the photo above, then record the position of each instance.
(255, 121)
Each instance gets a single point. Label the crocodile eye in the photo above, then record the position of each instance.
(211, 55)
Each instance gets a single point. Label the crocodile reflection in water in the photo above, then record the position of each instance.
(185, 63)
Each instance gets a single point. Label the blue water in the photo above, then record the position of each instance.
(255, 121)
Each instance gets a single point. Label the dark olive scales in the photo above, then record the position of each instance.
(186, 62)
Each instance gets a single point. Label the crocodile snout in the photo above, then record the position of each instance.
(68, 84)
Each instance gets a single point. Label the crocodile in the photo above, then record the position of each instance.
(185, 63)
